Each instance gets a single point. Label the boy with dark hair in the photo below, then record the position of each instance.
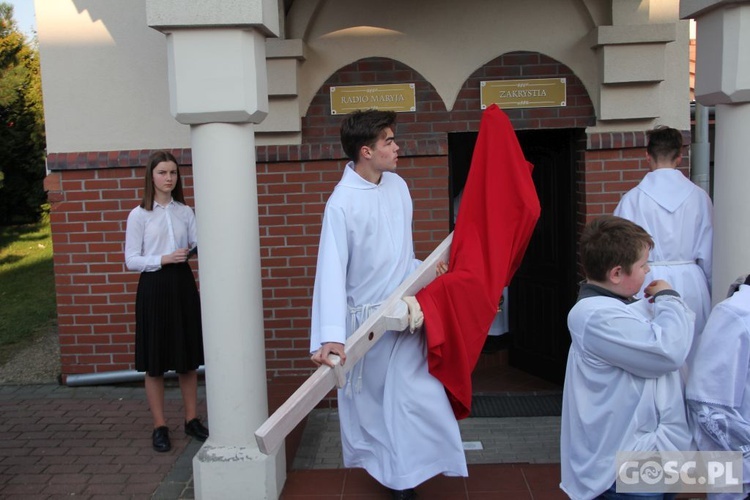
(664, 144)
(396, 421)
(622, 385)
(679, 216)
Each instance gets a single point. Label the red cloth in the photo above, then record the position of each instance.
(499, 209)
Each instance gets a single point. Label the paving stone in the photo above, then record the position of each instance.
(96, 440)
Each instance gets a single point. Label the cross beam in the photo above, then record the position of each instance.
(393, 315)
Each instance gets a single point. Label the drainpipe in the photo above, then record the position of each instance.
(115, 377)
(700, 150)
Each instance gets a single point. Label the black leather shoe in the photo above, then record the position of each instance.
(196, 429)
(160, 439)
(404, 494)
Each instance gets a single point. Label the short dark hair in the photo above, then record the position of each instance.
(364, 128)
(664, 143)
(157, 157)
(610, 241)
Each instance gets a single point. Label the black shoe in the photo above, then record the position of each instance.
(160, 439)
(404, 494)
(196, 429)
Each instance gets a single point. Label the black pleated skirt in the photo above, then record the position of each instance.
(168, 334)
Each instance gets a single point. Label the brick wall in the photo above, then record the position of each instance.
(95, 292)
(92, 193)
(291, 199)
(425, 130)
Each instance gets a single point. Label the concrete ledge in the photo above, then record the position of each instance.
(281, 49)
(635, 33)
(164, 15)
(633, 63)
(283, 116)
(629, 101)
(694, 8)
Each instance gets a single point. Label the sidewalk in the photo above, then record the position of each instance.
(533, 440)
(94, 443)
(509, 458)
(91, 443)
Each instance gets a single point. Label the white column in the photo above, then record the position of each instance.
(731, 194)
(722, 78)
(229, 465)
(218, 86)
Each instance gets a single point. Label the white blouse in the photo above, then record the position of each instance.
(153, 233)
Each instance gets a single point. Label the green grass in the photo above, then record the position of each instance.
(27, 285)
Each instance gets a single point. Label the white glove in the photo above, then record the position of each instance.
(416, 318)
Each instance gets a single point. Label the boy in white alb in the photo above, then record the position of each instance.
(396, 421)
(718, 388)
(622, 384)
(679, 216)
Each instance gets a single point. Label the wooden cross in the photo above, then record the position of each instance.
(392, 315)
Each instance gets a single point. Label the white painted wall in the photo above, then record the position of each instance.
(444, 40)
(105, 77)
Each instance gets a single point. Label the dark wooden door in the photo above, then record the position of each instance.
(544, 287)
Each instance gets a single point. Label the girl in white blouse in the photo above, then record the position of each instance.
(160, 233)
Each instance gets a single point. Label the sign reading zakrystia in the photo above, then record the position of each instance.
(399, 97)
(535, 93)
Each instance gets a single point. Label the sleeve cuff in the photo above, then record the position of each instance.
(332, 334)
(670, 292)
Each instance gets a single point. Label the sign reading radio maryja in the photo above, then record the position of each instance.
(538, 93)
(397, 97)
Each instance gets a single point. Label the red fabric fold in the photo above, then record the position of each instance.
(499, 209)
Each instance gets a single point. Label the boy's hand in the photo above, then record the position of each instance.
(416, 317)
(320, 357)
(655, 287)
(441, 268)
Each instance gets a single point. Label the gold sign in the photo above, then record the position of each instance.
(397, 97)
(509, 94)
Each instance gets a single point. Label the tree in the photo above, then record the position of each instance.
(22, 141)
